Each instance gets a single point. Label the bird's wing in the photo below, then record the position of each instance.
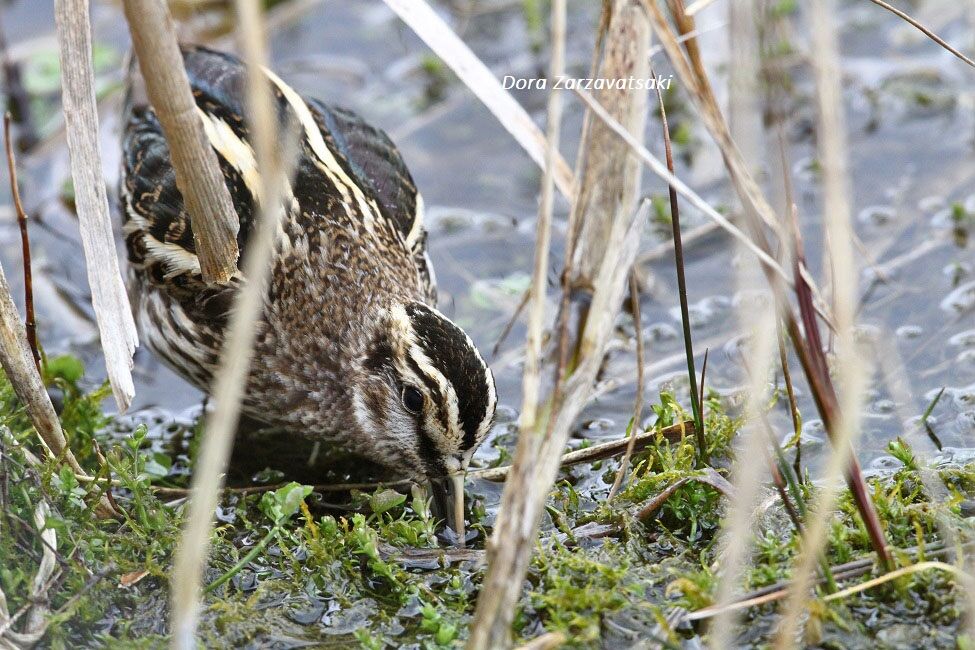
(377, 163)
(341, 159)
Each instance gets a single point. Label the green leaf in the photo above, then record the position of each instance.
(284, 502)
(388, 499)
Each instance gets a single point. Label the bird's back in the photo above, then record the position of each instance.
(351, 230)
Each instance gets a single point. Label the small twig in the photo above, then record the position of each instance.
(779, 594)
(704, 371)
(547, 641)
(638, 400)
(29, 323)
(793, 404)
(244, 561)
(924, 30)
(511, 323)
(932, 405)
(685, 319)
(708, 477)
(276, 152)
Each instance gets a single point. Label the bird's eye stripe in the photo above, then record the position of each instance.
(435, 391)
(428, 381)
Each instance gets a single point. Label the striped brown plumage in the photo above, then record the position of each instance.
(350, 334)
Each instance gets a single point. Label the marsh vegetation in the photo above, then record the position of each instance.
(817, 325)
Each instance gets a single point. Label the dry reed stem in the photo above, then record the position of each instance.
(696, 7)
(574, 222)
(747, 475)
(531, 381)
(533, 472)
(29, 322)
(658, 168)
(610, 183)
(808, 349)
(230, 380)
(439, 37)
(492, 619)
(18, 365)
(198, 174)
(109, 298)
(850, 367)
(924, 30)
(638, 400)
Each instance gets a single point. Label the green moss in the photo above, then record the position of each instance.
(376, 575)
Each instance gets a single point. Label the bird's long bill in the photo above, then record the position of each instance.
(460, 526)
(448, 502)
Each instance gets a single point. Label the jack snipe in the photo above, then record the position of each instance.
(350, 349)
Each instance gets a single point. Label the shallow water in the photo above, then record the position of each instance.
(911, 133)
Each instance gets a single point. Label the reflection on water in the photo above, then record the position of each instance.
(909, 111)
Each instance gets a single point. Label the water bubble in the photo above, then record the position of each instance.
(964, 339)
(884, 406)
(966, 358)
(877, 215)
(956, 271)
(661, 332)
(961, 299)
(599, 424)
(909, 331)
(929, 204)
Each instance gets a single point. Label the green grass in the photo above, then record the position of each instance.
(285, 567)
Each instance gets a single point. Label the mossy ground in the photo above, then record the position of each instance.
(356, 576)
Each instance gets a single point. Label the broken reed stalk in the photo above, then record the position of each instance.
(638, 400)
(532, 475)
(538, 455)
(657, 167)
(850, 370)
(439, 37)
(230, 380)
(599, 198)
(685, 319)
(809, 351)
(198, 175)
(29, 323)
(108, 295)
(573, 224)
(24, 377)
(758, 347)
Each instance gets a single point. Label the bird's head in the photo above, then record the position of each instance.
(427, 400)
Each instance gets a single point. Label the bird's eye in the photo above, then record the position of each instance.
(412, 399)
